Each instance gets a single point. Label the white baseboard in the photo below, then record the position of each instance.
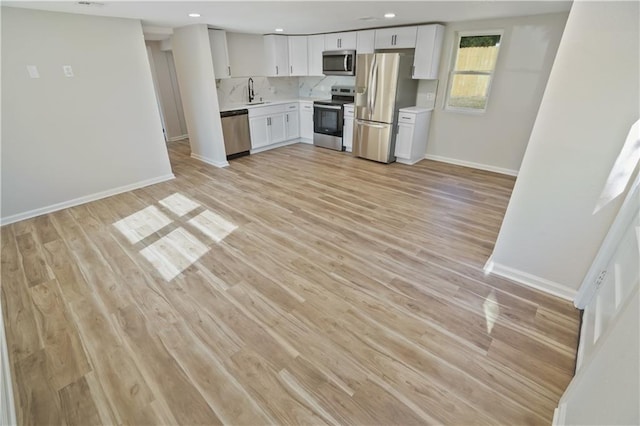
(406, 161)
(275, 145)
(472, 165)
(530, 280)
(177, 138)
(82, 200)
(209, 161)
(7, 405)
(305, 140)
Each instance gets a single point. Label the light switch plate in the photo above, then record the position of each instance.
(33, 71)
(68, 71)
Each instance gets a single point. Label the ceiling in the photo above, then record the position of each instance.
(299, 17)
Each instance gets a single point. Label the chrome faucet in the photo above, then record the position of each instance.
(251, 92)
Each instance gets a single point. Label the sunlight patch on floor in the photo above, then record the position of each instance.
(213, 225)
(179, 204)
(491, 310)
(142, 223)
(174, 253)
(179, 249)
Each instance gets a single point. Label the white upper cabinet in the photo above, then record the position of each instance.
(219, 53)
(428, 49)
(277, 55)
(340, 41)
(246, 54)
(396, 38)
(315, 45)
(298, 56)
(365, 41)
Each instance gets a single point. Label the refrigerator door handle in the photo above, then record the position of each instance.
(374, 89)
(370, 124)
(369, 83)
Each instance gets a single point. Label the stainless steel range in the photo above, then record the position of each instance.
(328, 117)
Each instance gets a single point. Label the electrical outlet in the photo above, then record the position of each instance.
(33, 71)
(68, 71)
(431, 96)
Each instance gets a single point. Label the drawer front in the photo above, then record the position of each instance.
(404, 117)
(306, 106)
(348, 112)
(267, 110)
(291, 107)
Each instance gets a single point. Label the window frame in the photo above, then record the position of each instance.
(452, 72)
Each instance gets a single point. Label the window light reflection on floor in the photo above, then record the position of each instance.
(142, 223)
(491, 310)
(176, 251)
(179, 204)
(213, 225)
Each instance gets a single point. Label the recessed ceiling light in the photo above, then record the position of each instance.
(194, 15)
(390, 15)
(279, 30)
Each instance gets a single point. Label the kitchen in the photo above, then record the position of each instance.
(240, 56)
(273, 125)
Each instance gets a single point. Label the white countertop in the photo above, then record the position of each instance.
(417, 109)
(268, 102)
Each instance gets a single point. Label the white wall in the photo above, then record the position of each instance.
(497, 139)
(68, 140)
(196, 79)
(168, 92)
(549, 234)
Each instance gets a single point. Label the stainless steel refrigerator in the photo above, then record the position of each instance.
(383, 86)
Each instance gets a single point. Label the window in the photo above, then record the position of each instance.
(470, 79)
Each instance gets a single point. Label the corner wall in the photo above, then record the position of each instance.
(68, 140)
(496, 140)
(197, 81)
(550, 234)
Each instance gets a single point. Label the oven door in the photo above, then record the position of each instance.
(328, 120)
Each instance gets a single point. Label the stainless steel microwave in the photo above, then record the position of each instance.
(339, 62)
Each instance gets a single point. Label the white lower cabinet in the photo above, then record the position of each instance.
(412, 134)
(273, 125)
(259, 128)
(347, 128)
(292, 122)
(306, 121)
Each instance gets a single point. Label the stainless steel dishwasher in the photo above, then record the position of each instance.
(235, 130)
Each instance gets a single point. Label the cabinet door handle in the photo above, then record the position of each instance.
(277, 70)
(268, 121)
(407, 118)
(287, 118)
(229, 70)
(291, 69)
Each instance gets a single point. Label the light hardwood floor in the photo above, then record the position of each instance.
(317, 288)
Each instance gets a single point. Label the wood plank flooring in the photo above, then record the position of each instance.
(297, 286)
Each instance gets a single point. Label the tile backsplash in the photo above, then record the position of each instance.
(320, 87)
(235, 90)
